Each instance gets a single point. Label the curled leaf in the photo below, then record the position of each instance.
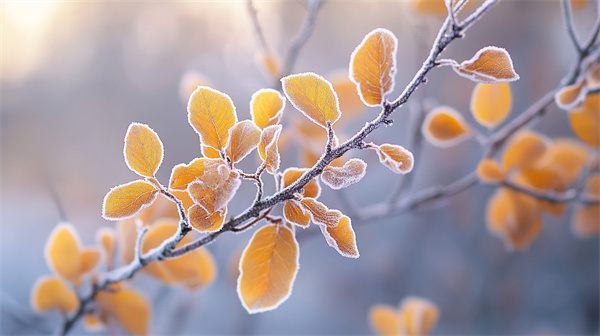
(51, 293)
(268, 147)
(266, 107)
(213, 194)
(396, 158)
(586, 123)
(295, 213)
(373, 66)
(572, 97)
(489, 65)
(203, 221)
(143, 150)
(491, 103)
(243, 139)
(320, 214)
(445, 127)
(268, 267)
(341, 177)
(314, 96)
(489, 170)
(341, 237)
(63, 253)
(128, 199)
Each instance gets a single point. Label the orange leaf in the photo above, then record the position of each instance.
(295, 213)
(491, 103)
(243, 139)
(571, 156)
(89, 259)
(373, 66)
(211, 113)
(311, 189)
(183, 174)
(320, 214)
(341, 177)
(63, 252)
(143, 150)
(105, 238)
(396, 158)
(128, 200)
(544, 178)
(92, 323)
(585, 221)
(488, 170)
(586, 123)
(445, 127)
(314, 96)
(489, 65)
(341, 237)
(417, 316)
(131, 309)
(571, 97)
(384, 320)
(214, 195)
(203, 221)
(268, 147)
(350, 101)
(523, 150)
(438, 7)
(268, 268)
(266, 107)
(50, 293)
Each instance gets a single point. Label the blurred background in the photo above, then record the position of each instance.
(76, 74)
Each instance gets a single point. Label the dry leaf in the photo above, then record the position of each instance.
(63, 253)
(295, 213)
(491, 103)
(396, 158)
(128, 199)
(488, 170)
(489, 65)
(445, 127)
(314, 96)
(341, 177)
(49, 293)
(243, 139)
(384, 320)
(268, 267)
(373, 66)
(311, 189)
(586, 123)
(182, 175)
(143, 150)
(523, 150)
(203, 221)
(214, 194)
(211, 114)
(417, 316)
(268, 147)
(341, 237)
(266, 107)
(320, 214)
(572, 97)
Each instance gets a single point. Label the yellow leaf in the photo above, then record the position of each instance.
(384, 320)
(243, 139)
(49, 293)
(143, 150)
(63, 253)
(92, 323)
(189, 82)
(311, 189)
(266, 107)
(586, 123)
(320, 214)
(523, 150)
(183, 174)
(214, 194)
(268, 268)
(106, 239)
(211, 114)
(131, 310)
(489, 65)
(314, 96)
(128, 200)
(445, 127)
(203, 221)
(396, 158)
(571, 156)
(350, 101)
(373, 66)
(544, 178)
(489, 171)
(417, 316)
(491, 103)
(341, 177)
(210, 152)
(571, 97)
(295, 213)
(268, 147)
(89, 259)
(341, 237)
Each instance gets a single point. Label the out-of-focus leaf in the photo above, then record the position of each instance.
(445, 127)
(49, 293)
(384, 320)
(489, 170)
(491, 103)
(523, 150)
(130, 309)
(586, 123)
(417, 316)
(63, 253)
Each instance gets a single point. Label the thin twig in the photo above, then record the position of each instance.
(566, 5)
(257, 28)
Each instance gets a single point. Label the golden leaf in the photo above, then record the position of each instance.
(396, 158)
(128, 199)
(106, 239)
(131, 309)
(489, 65)
(211, 114)
(49, 293)
(320, 214)
(89, 259)
(523, 150)
(214, 194)
(373, 66)
(341, 177)
(544, 178)
(268, 147)
(417, 316)
(63, 253)
(445, 127)
(571, 97)
(268, 268)
(295, 213)
(92, 323)
(384, 320)
(488, 170)
(266, 107)
(243, 139)
(183, 174)
(143, 150)
(314, 96)
(311, 189)
(203, 221)
(341, 237)
(350, 101)
(586, 123)
(491, 103)
(571, 156)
